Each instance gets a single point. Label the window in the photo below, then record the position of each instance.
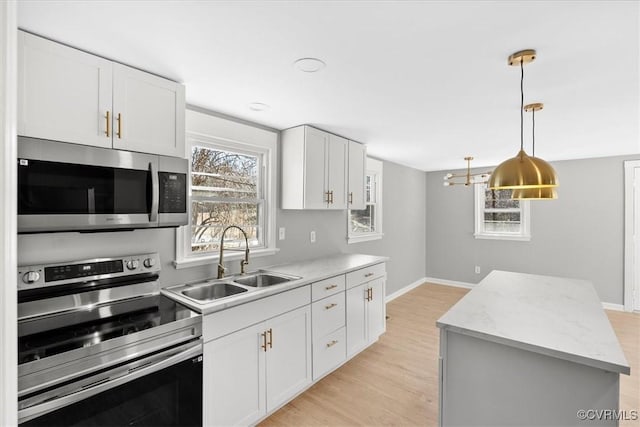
(231, 184)
(500, 217)
(366, 224)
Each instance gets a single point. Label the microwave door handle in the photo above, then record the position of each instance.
(155, 192)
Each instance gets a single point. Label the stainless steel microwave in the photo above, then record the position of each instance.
(70, 187)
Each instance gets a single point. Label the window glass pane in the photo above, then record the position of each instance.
(500, 199)
(218, 173)
(363, 221)
(208, 220)
(370, 189)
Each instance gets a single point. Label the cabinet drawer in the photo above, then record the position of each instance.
(365, 274)
(329, 352)
(224, 322)
(328, 314)
(327, 287)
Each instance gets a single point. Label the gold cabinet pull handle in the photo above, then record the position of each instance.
(270, 332)
(119, 126)
(328, 200)
(369, 294)
(264, 341)
(330, 306)
(351, 197)
(332, 343)
(331, 196)
(368, 275)
(108, 127)
(328, 288)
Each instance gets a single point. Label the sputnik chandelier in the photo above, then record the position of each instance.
(451, 179)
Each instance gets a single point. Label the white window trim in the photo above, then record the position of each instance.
(373, 166)
(184, 257)
(479, 233)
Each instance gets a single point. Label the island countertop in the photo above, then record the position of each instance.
(554, 316)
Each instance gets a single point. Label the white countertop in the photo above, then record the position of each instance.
(558, 317)
(309, 271)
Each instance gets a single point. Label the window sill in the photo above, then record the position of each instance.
(522, 238)
(228, 256)
(364, 238)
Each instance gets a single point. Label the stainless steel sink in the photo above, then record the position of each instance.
(261, 279)
(211, 291)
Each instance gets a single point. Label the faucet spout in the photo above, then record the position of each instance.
(243, 263)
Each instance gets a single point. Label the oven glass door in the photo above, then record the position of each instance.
(168, 397)
(54, 188)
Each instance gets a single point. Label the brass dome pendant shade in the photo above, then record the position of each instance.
(546, 170)
(523, 171)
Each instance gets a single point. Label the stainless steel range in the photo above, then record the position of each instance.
(99, 345)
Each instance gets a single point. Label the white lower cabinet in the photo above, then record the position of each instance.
(365, 315)
(234, 378)
(252, 366)
(329, 345)
(250, 372)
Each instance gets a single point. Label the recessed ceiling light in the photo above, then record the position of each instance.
(258, 106)
(309, 65)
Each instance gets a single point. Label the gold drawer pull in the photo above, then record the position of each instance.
(332, 343)
(270, 332)
(119, 126)
(368, 275)
(108, 117)
(351, 197)
(264, 341)
(328, 288)
(330, 306)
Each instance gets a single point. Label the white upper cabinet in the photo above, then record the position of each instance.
(68, 95)
(314, 169)
(63, 94)
(148, 112)
(357, 174)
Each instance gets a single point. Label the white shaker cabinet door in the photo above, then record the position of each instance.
(356, 319)
(148, 113)
(234, 375)
(64, 94)
(288, 356)
(337, 154)
(315, 178)
(376, 322)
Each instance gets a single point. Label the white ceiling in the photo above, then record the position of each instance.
(421, 83)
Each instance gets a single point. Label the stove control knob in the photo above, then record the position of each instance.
(31, 277)
(149, 262)
(133, 264)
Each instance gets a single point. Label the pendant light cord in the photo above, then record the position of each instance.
(521, 103)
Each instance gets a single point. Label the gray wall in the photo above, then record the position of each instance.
(579, 235)
(403, 242)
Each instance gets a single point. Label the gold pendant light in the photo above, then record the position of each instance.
(543, 193)
(523, 171)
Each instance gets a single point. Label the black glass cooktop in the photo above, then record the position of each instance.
(53, 335)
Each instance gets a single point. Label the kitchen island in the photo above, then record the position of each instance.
(523, 349)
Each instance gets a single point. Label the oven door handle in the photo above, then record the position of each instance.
(155, 192)
(108, 383)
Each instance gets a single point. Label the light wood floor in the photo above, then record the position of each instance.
(395, 381)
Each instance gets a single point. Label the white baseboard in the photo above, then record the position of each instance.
(404, 290)
(612, 306)
(455, 283)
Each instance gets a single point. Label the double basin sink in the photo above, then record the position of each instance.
(223, 288)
